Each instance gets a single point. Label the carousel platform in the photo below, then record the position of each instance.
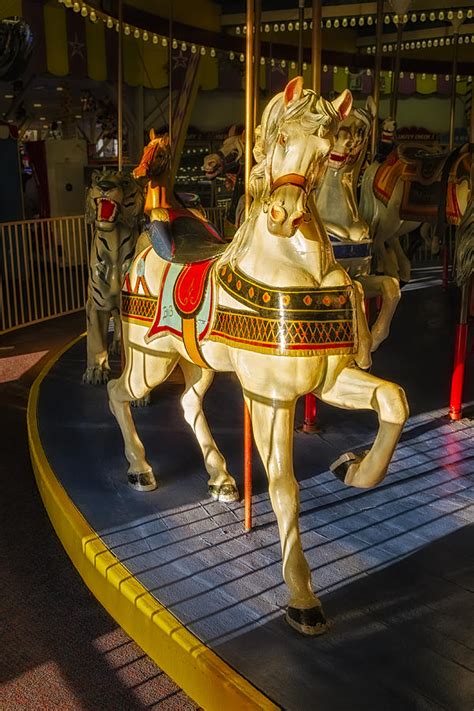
(205, 600)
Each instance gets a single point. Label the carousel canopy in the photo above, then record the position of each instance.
(75, 44)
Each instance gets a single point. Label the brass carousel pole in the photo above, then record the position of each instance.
(377, 70)
(300, 36)
(452, 114)
(310, 404)
(396, 71)
(170, 71)
(249, 120)
(120, 89)
(316, 44)
(256, 62)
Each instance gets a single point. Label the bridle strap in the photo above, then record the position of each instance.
(295, 179)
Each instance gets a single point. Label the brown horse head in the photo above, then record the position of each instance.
(156, 157)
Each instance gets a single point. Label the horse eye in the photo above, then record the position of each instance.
(282, 139)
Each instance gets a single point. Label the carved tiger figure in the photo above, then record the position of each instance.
(114, 205)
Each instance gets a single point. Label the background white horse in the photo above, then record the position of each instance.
(287, 320)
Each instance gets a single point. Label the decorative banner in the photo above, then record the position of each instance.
(277, 77)
(77, 52)
(84, 44)
(444, 84)
(407, 83)
(425, 84)
(231, 73)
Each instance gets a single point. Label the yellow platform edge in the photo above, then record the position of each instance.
(199, 671)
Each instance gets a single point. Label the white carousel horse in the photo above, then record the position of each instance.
(349, 233)
(465, 246)
(114, 204)
(413, 185)
(280, 313)
(229, 161)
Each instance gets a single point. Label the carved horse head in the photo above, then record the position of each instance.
(352, 136)
(229, 157)
(295, 137)
(156, 157)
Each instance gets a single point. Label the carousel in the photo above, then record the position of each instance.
(259, 455)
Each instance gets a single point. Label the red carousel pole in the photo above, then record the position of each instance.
(249, 123)
(460, 343)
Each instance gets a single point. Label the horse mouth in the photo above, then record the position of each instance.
(106, 210)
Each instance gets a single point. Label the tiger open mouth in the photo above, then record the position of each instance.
(106, 210)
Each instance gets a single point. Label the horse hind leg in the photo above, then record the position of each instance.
(221, 486)
(141, 374)
(355, 389)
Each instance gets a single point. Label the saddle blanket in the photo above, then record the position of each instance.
(183, 307)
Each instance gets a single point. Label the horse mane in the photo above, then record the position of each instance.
(315, 114)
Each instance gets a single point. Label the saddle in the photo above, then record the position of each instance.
(429, 181)
(184, 236)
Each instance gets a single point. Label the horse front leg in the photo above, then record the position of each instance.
(354, 389)
(273, 431)
(221, 486)
(388, 289)
(142, 372)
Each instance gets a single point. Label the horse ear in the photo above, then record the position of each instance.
(232, 131)
(343, 104)
(293, 90)
(152, 134)
(370, 106)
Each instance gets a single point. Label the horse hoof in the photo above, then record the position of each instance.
(142, 481)
(310, 622)
(141, 402)
(341, 466)
(96, 376)
(224, 492)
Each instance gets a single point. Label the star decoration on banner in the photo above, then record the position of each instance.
(77, 48)
(180, 60)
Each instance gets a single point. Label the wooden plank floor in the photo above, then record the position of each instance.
(393, 565)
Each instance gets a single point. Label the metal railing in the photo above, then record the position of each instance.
(43, 269)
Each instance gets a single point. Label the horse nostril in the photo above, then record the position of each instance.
(278, 213)
(297, 219)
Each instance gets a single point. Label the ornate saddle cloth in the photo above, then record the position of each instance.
(293, 321)
(183, 307)
(429, 182)
(184, 236)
